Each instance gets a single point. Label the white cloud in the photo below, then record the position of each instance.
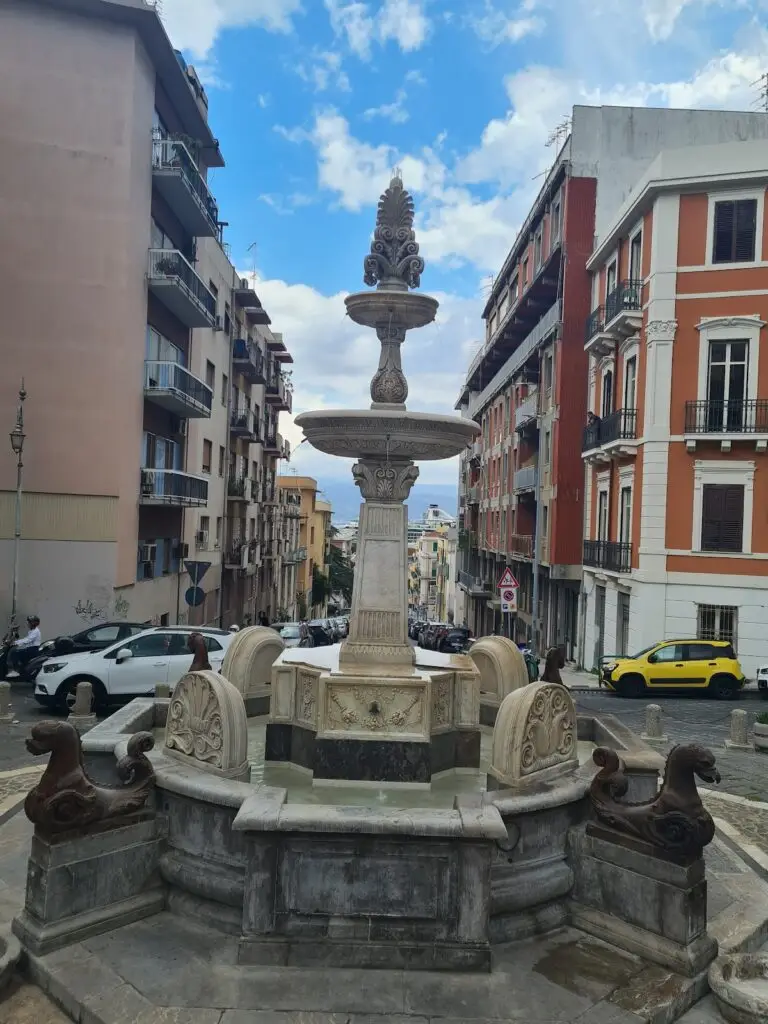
(324, 72)
(396, 111)
(297, 309)
(494, 26)
(401, 21)
(263, 99)
(661, 16)
(194, 25)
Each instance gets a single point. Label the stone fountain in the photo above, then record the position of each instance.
(375, 709)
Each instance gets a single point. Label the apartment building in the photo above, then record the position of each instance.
(521, 487)
(676, 542)
(132, 385)
(435, 574)
(313, 540)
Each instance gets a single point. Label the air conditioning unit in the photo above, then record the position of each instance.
(201, 540)
(181, 550)
(147, 552)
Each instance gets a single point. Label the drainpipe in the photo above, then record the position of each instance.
(536, 561)
(225, 496)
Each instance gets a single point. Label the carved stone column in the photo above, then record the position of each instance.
(389, 388)
(378, 628)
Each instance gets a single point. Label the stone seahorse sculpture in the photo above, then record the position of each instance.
(65, 798)
(196, 644)
(675, 821)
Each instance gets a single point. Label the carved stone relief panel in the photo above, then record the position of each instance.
(306, 697)
(374, 710)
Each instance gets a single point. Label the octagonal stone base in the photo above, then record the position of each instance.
(344, 726)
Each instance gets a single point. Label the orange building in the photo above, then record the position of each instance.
(676, 470)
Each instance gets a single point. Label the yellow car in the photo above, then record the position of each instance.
(709, 666)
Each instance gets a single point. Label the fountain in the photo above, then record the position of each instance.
(375, 709)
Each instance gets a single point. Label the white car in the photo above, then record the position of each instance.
(291, 635)
(130, 668)
(762, 680)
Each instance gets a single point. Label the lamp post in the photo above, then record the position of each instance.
(17, 444)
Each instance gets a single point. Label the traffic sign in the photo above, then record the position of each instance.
(508, 579)
(195, 596)
(509, 600)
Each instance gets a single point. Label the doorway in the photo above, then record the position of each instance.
(599, 626)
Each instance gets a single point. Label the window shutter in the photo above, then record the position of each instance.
(725, 215)
(744, 236)
(722, 518)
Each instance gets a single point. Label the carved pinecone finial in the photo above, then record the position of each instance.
(394, 250)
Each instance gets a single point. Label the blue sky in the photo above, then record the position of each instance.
(315, 101)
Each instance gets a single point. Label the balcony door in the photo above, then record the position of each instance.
(630, 383)
(727, 385)
(602, 516)
(635, 257)
(625, 515)
(610, 281)
(606, 407)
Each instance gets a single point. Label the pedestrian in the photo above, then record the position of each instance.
(263, 619)
(25, 649)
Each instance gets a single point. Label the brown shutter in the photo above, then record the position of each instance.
(722, 518)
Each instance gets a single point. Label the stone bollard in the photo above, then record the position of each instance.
(162, 690)
(653, 728)
(739, 735)
(6, 710)
(81, 715)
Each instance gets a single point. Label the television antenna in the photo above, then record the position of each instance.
(761, 100)
(561, 132)
(252, 249)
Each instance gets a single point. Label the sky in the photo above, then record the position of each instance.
(316, 101)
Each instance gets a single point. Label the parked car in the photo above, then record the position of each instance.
(95, 638)
(129, 668)
(762, 681)
(321, 636)
(342, 626)
(455, 640)
(701, 666)
(290, 634)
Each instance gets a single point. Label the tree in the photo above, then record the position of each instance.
(320, 587)
(341, 574)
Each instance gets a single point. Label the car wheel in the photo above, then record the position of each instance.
(66, 693)
(723, 687)
(630, 686)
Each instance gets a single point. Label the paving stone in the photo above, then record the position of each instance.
(281, 1017)
(27, 1004)
(122, 1005)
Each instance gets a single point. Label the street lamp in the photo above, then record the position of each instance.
(17, 444)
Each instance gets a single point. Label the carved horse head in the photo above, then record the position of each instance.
(553, 662)
(60, 740)
(200, 662)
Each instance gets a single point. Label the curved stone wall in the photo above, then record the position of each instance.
(248, 665)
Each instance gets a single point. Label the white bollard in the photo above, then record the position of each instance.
(654, 732)
(81, 715)
(738, 738)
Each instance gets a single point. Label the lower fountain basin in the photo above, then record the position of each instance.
(376, 434)
(740, 986)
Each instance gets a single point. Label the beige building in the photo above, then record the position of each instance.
(151, 438)
(314, 539)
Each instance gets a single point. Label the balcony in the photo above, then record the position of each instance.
(180, 183)
(243, 424)
(475, 586)
(172, 487)
(613, 556)
(248, 360)
(172, 387)
(236, 555)
(238, 488)
(278, 395)
(615, 435)
(276, 346)
(596, 339)
(286, 454)
(524, 479)
(623, 309)
(733, 420)
(171, 278)
(273, 446)
(526, 412)
(521, 545)
(473, 494)
(296, 556)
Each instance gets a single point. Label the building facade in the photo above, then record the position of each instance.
(676, 544)
(130, 432)
(521, 487)
(314, 538)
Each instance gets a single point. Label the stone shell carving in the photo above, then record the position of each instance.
(501, 666)
(207, 725)
(250, 657)
(394, 250)
(535, 732)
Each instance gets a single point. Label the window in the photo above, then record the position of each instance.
(610, 280)
(205, 525)
(160, 349)
(153, 645)
(700, 652)
(606, 407)
(666, 654)
(227, 320)
(434, 546)
(717, 622)
(602, 515)
(727, 385)
(525, 272)
(625, 515)
(513, 290)
(630, 383)
(219, 523)
(556, 214)
(537, 249)
(548, 371)
(222, 459)
(547, 447)
(103, 634)
(207, 454)
(312, 535)
(735, 231)
(636, 257)
(544, 522)
(224, 388)
(252, 529)
(210, 374)
(722, 517)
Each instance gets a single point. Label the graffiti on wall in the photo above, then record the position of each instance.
(122, 607)
(88, 611)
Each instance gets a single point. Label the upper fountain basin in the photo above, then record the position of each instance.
(376, 433)
(408, 309)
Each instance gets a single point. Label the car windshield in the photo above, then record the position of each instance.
(289, 632)
(642, 653)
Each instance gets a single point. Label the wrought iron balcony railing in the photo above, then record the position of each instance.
(173, 387)
(621, 425)
(735, 416)
(626, 296)
(595, 323)
(184, 187)
(177, 285)
(615, 556)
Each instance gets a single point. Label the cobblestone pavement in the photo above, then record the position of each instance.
(26, 1004)
(694, 720)
(751, 819)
